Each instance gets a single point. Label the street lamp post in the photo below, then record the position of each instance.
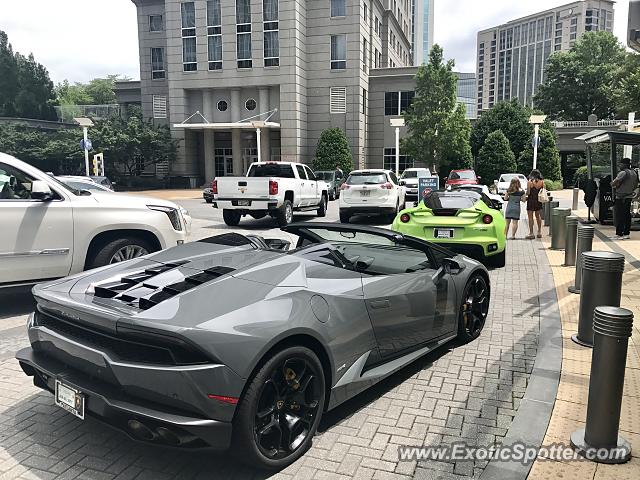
(397, 123)
(536, 120)
(85, 123)
(258, 125)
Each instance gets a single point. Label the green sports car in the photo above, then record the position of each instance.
(463, 221)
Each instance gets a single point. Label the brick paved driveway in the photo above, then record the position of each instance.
(468, 393)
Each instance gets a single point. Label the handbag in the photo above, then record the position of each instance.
(542, 195)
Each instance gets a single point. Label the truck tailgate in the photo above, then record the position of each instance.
(242, 187)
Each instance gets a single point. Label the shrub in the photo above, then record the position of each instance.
(495, 157)
(552, 185)
(333, 150)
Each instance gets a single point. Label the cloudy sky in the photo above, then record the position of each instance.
(82, 39)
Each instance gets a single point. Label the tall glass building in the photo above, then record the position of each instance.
(422, 32)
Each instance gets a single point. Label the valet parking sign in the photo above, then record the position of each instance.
(426, 185)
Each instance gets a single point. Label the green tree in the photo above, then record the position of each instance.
(99, 91)
(25, 87)
(548, 157)
(437, 131)
(132, 144)
(509, 117)
(585, 80)
(456, 133)
(629, 93)
(495, 157)
(333, 150)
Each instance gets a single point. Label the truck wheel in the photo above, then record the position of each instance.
(322, 208)
(344, 216)
(120, 250)
(285, 214)
(231, 217)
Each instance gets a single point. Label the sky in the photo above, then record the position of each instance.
(83, 39)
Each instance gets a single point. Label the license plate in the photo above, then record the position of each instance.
(244, 203)
(365, 193)
(70, 399)
(443, 233)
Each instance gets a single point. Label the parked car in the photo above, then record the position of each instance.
(104, 181)
(334, 179)
(505, 180)
(51, 230)
(462, 177)
(271, 188)
(83, 183)
(371, 192)
(483, 190)
(235, 341)
(463, 221)
(409, 179)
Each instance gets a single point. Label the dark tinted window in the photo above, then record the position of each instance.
(365, 178)
(271, 170)
(301, 173)
(327, 176)
(410, 174)
(462, 175)
(439, 200)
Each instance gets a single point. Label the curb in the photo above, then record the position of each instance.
(530, 424)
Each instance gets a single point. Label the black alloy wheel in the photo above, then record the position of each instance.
(474, 308)
(281, 409)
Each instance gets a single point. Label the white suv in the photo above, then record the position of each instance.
(50, 230)
(371, 192)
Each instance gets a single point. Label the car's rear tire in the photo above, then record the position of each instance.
(497, 261)
(285, 398)
(332, 195)
(474, 308)
(119, 250)
(344, 216)
(231, 217)
(285, 214)
(322, 208)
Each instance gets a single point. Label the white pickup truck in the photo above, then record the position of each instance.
(270, 188)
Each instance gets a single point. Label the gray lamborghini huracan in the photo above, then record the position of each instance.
(241, 341)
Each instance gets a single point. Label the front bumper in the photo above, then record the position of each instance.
(117, 391)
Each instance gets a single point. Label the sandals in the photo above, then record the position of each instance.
(531, 236)
(539, 235)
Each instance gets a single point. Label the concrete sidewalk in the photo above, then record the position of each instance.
(570, 407)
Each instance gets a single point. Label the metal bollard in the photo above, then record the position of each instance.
(601, 285)
(574, 204)
(559, 227)
(599, 440)
(549, 214)
(585, 244)
(571, 241)
(547, 211)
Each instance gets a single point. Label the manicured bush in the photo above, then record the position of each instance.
(552, 185)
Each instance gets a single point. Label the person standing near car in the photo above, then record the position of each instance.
(513, 197)
(625, 184)
(534, 207)
(339, 173)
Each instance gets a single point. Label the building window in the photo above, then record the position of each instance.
(189, 58)
(159, 106)
(389, 162)
(243, 33)
(338, 52)
(214, 35)
(365, 54)
(406, 98)
(366, 12)
(157, 63)
(338, 100)
(222, 106)
(364, 101)
(271, 33)
(338, 8)
(397, 103)
(155, 23)
(250, 105)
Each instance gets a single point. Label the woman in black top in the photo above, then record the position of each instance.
(534, 186)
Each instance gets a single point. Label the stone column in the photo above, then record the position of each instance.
(236, 134)
(265, 137)
(207, 105)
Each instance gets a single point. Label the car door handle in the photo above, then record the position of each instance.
(378, 304)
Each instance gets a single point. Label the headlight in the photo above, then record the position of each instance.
(172, 213)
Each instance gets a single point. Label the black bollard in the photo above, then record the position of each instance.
(585, 244)
(601, 285)
(570, 242)
(559, 227)
(599, 440)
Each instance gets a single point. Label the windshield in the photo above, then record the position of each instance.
(462, 175)
(508, 178)
(262, 170)
(327, 176)
(410, 174)
(477, 189)
(437, 200)
(88, 186)
(65, 186)
(367, 178)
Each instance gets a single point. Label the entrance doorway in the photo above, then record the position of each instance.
(223, 158)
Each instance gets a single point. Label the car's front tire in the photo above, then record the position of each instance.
(280, 409)
(231, 217)
(322, 208)
(120, 250)
(474, 308)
